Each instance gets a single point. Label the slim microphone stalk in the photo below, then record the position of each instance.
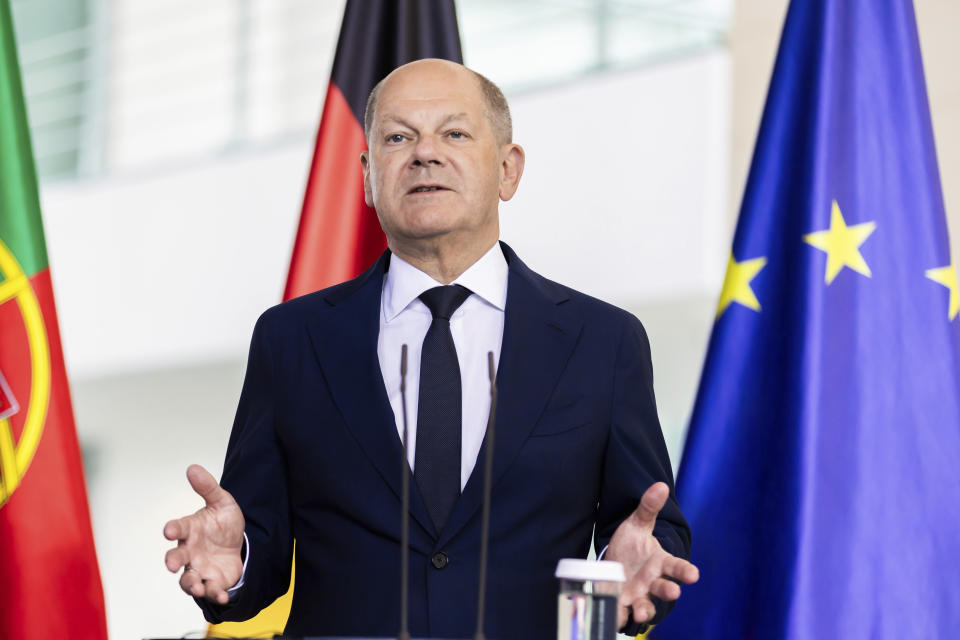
(404, 633)
(487, 481)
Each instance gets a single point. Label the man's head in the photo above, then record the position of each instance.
(440, 157)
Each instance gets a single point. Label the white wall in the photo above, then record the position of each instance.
(624, 192)
(171, 268)
(139, 432)
(159, 278)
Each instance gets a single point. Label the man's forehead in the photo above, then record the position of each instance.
(431, 92)
(423, 112)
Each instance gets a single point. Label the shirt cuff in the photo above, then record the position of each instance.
(243, 574)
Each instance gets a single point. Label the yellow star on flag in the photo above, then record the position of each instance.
(947, 276)
(736, 284)
(842, 244)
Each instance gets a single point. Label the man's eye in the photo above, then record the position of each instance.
(457, 135)
(395, 138)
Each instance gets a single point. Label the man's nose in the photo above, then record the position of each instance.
(427, 151)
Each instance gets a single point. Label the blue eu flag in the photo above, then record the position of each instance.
(821, 474)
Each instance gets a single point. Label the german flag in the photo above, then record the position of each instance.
(339, 235)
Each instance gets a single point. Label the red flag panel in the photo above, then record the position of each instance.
(339, 235)
(51, 583)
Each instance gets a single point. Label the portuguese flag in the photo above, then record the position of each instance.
(49, 580)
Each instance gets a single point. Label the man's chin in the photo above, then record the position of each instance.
(426, 225)
(426, 234)
(430, 226)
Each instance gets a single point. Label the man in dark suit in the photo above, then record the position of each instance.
(316, 455)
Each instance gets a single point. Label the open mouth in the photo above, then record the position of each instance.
(427, 189)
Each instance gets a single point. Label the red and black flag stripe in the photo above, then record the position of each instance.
(339, 235)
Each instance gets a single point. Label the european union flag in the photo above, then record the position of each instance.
(821, 474)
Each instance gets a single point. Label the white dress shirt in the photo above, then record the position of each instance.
(477, 328)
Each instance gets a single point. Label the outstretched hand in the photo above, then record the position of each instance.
(648, 567)
(208, 542)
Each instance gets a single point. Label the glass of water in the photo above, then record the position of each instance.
(587, 605)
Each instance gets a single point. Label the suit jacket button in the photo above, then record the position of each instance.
(439, 560)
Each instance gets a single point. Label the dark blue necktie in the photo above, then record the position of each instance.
(437, 460)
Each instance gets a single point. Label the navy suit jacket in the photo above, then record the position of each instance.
(314, 456)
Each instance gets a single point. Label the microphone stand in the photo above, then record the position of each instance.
(404, 633)
(487, 481)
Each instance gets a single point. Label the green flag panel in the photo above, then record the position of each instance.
(21, 228)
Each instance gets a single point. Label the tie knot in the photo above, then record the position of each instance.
(443, 301)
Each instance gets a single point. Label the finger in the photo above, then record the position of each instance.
(642, 608)
(623, 613)
(650, 505)
(177, 558)
(206, 485)
(191, 583)
(176, 529)
(214, 583)
(215, 593)
(222, 597)
(680, 569)
(644, 611)
(666, 590)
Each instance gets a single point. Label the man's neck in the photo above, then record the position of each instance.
(443, 261)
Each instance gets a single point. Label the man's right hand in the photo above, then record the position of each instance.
(208, 542)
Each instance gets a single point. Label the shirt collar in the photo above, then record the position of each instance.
(487, 278)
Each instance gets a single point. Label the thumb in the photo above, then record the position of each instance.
(650, 505)
(206, 486)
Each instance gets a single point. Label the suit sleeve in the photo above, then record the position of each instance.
(255, 473)
(636, 454)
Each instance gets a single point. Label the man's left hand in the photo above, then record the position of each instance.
(648, 567)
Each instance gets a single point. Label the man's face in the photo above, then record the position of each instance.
(434, 167)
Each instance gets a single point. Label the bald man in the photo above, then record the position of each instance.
(315, 453)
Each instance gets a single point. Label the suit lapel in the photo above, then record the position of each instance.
(345, 340)
(538, 339)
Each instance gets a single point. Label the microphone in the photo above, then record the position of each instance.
(404, 633)
(487, 480)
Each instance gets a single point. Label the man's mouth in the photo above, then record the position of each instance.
(427, 189)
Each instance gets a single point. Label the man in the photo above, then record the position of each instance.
(315, 452)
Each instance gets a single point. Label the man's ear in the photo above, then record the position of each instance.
(367, 187)
(511, 168)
